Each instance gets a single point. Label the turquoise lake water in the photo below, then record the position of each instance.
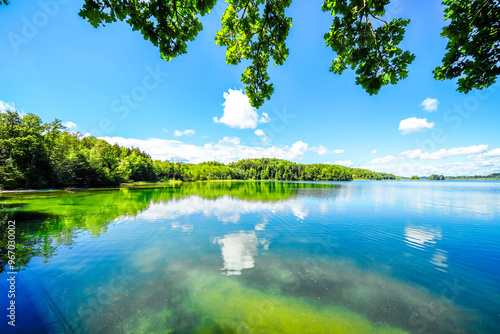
(257, 257)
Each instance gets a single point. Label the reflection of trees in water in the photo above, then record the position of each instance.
(38, 236)
(48, 220)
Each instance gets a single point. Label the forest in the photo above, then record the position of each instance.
(37, 155)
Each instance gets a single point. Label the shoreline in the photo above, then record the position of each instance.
(129, 185)
(126, 185)
(70, 189)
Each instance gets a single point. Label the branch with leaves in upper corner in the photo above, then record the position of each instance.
(168, 24)
(372, 50)
(473, 49)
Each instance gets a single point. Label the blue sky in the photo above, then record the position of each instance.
(111, 83)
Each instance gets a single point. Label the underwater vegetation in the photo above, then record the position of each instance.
(226, 305)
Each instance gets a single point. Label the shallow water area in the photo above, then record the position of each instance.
(257, 257)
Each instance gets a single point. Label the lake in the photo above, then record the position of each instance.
(256, 257)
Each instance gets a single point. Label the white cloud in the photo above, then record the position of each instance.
(327, 163)
(346, 163)
(264, 118)
(261, 134)
(425, 164)
(385, 160)
(443, 153)
(374, 151)
(404, 168)
(174, 150)
(493, 153)
(69, 125)
(414, 124)
(4, 106)
(298, 149)
(412, 154)
(322, 150)
(239, 113)
(429, 104)
(230, 140)
(188, 132)
(164, 130)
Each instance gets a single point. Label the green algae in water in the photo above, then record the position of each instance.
(153, 324)
(225, 305)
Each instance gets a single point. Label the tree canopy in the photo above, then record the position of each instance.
(359, 44)
(361, 37)
(473, 47)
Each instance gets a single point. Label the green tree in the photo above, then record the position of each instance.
(473, 49)
(373, 51)
(23, 157)
(264, 174)
(167, 24)
(141, 168)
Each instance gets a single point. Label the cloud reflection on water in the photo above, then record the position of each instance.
(238, 251)
(426, 238)
(421, 237)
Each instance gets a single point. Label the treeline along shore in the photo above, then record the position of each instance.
(37, 155)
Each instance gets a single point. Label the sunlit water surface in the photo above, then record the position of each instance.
(258, 257)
